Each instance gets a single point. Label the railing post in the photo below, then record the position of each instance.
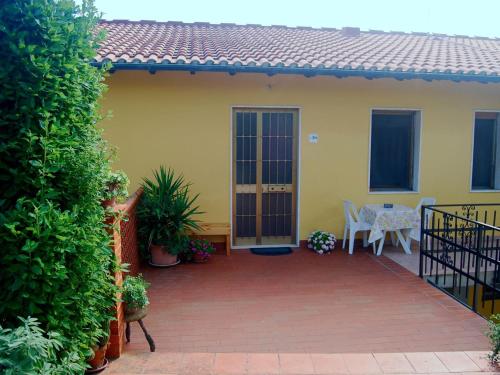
(479, 236)
(422, 228)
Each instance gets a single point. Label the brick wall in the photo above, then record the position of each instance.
(128, 232)
(126, 250)
(117, 327)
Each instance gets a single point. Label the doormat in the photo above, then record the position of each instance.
(271, 250)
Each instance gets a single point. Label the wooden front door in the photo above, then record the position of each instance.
(264, 176)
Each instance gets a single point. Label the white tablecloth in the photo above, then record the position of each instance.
(390, 219)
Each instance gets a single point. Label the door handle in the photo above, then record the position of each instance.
(274, 188)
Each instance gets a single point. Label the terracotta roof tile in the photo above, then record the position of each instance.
(201, 43)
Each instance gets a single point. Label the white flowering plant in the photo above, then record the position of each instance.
(321, 242)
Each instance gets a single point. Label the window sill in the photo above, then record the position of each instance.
(485, 191)
(382, 192)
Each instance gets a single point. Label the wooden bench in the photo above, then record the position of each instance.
(215, 229)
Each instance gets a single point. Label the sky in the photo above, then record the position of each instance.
(461, 17)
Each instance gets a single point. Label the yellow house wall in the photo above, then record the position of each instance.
(183, 121)
(485, 308)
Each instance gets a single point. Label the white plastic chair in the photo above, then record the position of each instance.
(426, 201)
(354, 224)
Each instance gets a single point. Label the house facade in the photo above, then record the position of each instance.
(275, 126)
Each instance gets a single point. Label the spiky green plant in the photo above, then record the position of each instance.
(166, 211)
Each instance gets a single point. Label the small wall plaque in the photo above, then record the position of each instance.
(313, 138)
(388, 205)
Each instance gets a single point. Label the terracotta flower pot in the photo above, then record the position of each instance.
(161, 257)
(133, 314)
(109, 202)
(98, 362)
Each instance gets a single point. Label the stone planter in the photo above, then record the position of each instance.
(133, 314)
(136, 315)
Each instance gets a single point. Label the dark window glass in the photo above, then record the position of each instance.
(483, 169)
(276, 214)
(245, 215)
(392, 143)
(246, 147)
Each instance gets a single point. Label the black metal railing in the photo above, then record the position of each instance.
(460, 253)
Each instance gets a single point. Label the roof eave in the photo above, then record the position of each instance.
(308, 72)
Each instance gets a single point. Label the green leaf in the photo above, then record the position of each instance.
(55, 259)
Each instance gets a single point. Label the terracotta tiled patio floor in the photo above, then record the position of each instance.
(303, 303)
(302, 306)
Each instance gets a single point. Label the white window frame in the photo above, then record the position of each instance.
(497, 171)
(417, 151)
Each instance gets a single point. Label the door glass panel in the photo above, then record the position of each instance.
(246, 173)
(245, 215)
(277, 156)
(276, 214)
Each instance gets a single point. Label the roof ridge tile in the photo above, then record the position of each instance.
(289, 27)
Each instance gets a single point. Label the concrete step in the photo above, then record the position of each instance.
(168, 363)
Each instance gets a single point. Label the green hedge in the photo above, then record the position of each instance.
(55, 260)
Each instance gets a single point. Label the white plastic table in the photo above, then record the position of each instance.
(397, 219)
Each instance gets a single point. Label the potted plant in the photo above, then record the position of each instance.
(165, 214)
(493, 334)
(116, 188)
(199, 251)
(321, 242)
(135, 298)
(98, 361)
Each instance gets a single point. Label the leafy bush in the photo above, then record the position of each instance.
(55, 260)
(26, 350)
(117, 183)
(494, 336)
(166, 212)
(134, 292)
